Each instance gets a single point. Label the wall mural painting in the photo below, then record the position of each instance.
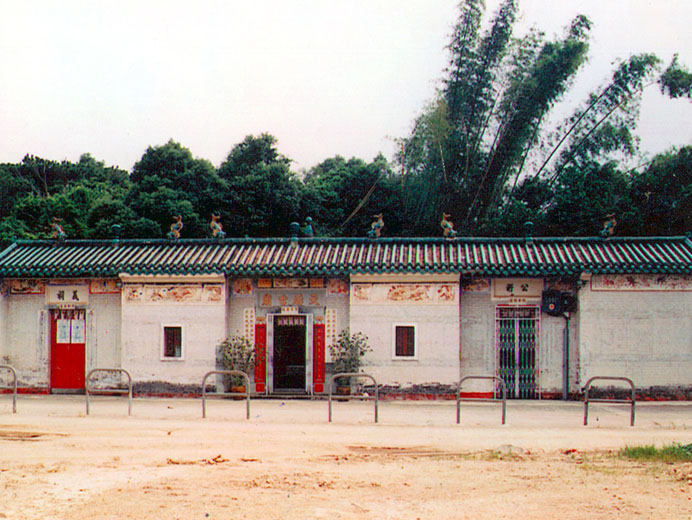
(560, 285)
(431, 293)
(174, 293)
(242, 286)
(446, 292)
(27, 286)
(477, 285)
(212, 293)
(641, 282)
(409, 293)
(134, 293)
(337, 286)
(361, 292)
(104, 286)
(290, 283)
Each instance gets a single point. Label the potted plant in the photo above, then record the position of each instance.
(236, 352)
(347, 356)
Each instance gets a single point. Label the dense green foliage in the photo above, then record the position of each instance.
(487, 151)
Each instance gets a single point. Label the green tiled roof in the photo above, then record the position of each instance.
(339, 256)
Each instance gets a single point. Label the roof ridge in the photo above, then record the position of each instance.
(345, 240)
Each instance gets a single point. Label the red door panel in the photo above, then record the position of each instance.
(68, 350)
(318, 358)
(260, 357)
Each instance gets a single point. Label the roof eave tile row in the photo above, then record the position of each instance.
(341, 256)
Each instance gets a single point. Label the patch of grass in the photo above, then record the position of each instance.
(670, 453)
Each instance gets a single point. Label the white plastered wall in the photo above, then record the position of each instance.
(377, 304)
(149, 304)
(645, 335)
(479, 349)
(25, 340)
(25, 335)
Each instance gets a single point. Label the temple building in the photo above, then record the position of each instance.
(544, 314)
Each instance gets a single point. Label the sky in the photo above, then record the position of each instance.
(325, 77)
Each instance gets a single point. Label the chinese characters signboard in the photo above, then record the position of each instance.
(517, 290)
(67, 296)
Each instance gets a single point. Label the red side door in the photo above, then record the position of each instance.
(68, 349)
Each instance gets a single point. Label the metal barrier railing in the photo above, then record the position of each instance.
(226, 394)
(349, 397)
(107, 391)
(13, 387)
(611, 401)
(479, 399)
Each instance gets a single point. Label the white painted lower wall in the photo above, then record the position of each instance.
(641, 334)
(25, 340)
(377, 309)
(479, 344)
(203, 326)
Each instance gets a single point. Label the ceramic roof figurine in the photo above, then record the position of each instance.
(447, 226)
(176, 227)
(609, 226)
(376, 226)
(57, 230)
(307, 228)
(216, 227)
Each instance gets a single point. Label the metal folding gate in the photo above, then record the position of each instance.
(517, 334)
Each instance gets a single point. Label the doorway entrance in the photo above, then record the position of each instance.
(68, 349)
(290, 353)
(517, 350)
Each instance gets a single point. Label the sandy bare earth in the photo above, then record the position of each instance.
(289, 462)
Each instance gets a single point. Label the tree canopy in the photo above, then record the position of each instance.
(484, 150)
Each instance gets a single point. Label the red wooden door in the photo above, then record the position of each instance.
(68, 349)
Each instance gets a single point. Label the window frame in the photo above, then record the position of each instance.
(165, 326)
(414, 357)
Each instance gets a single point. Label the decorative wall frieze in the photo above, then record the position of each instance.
(174, 294)
(26, 286)
(641, 282)
(405, 293)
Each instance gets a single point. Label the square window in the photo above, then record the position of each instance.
(405, 341)
(172, 342)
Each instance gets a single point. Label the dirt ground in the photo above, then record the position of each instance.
(289, 462)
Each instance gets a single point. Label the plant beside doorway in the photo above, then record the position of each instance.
(347, 355)
(236, 352)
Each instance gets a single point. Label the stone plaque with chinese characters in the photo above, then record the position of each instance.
(517, 289)
(291, 298)
(67, 295)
